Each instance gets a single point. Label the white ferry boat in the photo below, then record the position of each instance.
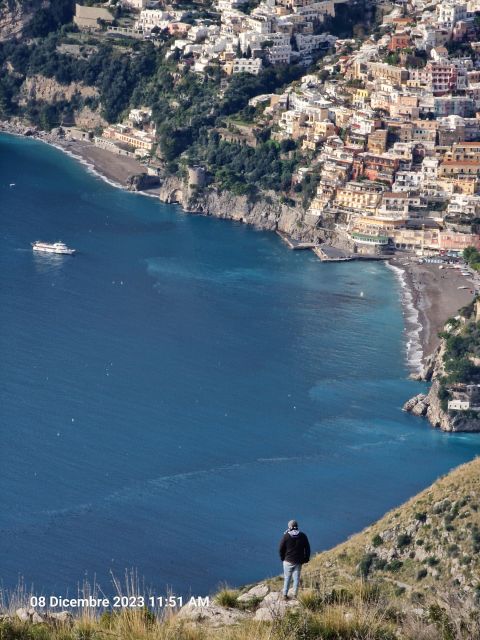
(55, 247)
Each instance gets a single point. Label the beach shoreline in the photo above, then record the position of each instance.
(430, 296)
(112, 168)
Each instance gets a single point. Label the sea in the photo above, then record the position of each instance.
(182, 387)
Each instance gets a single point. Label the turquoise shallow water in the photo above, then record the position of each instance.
(176, 392)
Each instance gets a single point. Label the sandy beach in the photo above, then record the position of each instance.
(436, 296)
(114, 167)
(110, 166)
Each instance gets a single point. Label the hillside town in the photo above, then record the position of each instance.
(388, 126)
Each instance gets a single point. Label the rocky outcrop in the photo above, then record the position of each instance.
(274, 606)
(417, 405)
(259, 602)
(53, 619)
(141, 182)
(15, 15)
(212, 614)
(266, 212)
(41, 89)
(430, 406)
(259, 591)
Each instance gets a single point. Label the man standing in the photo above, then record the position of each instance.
(294, 551)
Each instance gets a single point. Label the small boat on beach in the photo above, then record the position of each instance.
(55, 247)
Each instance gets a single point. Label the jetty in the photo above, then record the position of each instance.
(327, 253)
(295, 244)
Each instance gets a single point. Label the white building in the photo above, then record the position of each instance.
(150, 18)
(449, 13)
(136, 4)
(430, 169)
(406, 181)
(458, 405)
(245, 65)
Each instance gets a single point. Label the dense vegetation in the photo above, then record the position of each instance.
(472, 257)
(186, 106)
(241, 168)
(49, 18)
(462, 343)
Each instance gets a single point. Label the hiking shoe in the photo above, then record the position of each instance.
(285, 597)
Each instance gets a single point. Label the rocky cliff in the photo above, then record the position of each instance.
(15, 15)
(430, 405)
(267, 211)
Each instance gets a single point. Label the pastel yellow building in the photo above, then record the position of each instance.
(361, 196)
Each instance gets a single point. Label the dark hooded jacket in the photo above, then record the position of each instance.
(294, 547)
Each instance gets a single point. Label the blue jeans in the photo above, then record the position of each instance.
(291, 570)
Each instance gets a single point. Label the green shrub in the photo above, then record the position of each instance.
(422, 573)
(421, 516)
(365, 564)
(403, 540)
(394, 566)
(377, 540)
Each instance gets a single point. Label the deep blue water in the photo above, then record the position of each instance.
(177, 391)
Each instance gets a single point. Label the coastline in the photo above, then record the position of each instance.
(113, 169)
(429, 295)
(414, 348)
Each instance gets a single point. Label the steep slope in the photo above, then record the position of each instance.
(34, 18)
(452, 403)
(15, 15)
(428, 547)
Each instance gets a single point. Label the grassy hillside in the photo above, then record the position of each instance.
(429, 546)
(413, 575)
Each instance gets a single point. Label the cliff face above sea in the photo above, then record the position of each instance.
(267, 211)
(454, 371)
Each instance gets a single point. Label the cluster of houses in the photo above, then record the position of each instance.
(390, 127)
(135, 137)
(274, 32)
(393, 133)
